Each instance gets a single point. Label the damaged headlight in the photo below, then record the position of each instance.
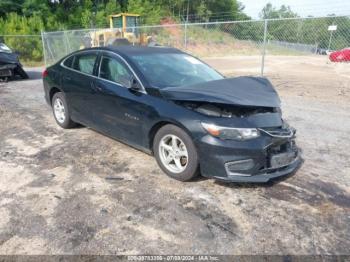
(230, 133)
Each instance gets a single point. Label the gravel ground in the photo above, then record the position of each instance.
(79, 192)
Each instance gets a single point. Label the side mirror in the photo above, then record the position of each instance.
(135, 85)
(131, 83)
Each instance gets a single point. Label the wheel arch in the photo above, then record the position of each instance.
(154, 129)
(52, 92)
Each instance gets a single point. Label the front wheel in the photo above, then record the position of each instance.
(175, 153)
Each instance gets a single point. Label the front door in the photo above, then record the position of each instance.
(119, 111)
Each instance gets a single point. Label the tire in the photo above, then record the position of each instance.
(63, 118)
(180, 167)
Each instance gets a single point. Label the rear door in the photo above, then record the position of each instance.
(78, 79)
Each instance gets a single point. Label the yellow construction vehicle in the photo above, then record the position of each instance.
(123, 31)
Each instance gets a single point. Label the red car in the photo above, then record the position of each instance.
(340, 55)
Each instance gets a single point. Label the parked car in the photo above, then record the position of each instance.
(321, 51)
(340, 55)
(172, 105)
(9, 64)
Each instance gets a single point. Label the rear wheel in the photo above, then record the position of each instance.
(176, 153)
(61, 111)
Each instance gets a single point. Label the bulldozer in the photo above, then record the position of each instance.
(123, 31)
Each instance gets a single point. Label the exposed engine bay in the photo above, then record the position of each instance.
(222, 110)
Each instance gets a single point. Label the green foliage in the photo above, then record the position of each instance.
(10, 6)
(35, 7)
(150, 11)
(111, 7)
(73, 14)
(313, 31)
(29, 47)
(270, 12)
(30, 17)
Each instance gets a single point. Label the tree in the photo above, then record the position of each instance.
(28, 47)
(10, 6)
(32, 16)
(151, 12)
(270, 12)
(35, 7)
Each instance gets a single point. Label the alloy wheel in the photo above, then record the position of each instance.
(59, 110)
(173, 153)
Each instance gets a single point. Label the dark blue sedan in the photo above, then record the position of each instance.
(170, 104)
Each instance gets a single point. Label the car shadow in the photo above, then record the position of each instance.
(198, 179)
(268, 184)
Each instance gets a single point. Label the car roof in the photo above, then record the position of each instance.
(140, 50)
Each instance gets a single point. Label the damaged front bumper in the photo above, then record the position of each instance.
(264, 175)
(7, 70)
(273, 154)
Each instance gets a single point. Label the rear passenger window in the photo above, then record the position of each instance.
(85, 63)
(68, 62)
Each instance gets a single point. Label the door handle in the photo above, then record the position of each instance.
(67, 78)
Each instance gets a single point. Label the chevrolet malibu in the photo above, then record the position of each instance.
(172, 105)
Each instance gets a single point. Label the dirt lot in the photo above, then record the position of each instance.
(79, 192)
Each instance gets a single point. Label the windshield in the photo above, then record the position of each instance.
(171, 70)
(4, 48)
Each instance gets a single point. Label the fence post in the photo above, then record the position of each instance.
(186, 35)
(43, 41)
(264, 48)
(94, 44)
(66, 42)
(188, 7)
(330, 40)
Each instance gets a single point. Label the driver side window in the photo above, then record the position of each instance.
(114, 70)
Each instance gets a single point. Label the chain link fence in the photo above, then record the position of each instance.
(200, 39)
(254, 41)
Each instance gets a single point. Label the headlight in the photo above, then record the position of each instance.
(230, 132)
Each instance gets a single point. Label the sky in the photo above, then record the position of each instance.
(302, 7)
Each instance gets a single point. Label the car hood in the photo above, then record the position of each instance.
(244, 91)
(8, 58)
